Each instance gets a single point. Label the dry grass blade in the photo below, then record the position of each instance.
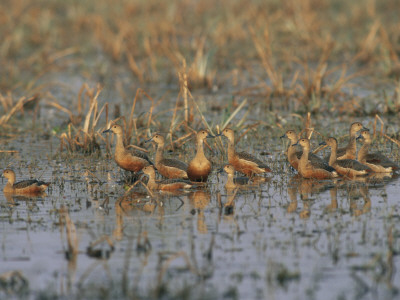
(377, 118)
(92, 111)
(134, 67)
(241, 105)
(17, 107)
(265, 54)
(203, 119)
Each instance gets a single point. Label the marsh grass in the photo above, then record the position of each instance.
(176, 68)
(307, 61)
(83, 138)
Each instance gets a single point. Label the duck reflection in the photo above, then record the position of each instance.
(199, 200)
(233, 182)
(305, 188)
(333, 206)
(132, 203)
(356, 208)
(31, 201)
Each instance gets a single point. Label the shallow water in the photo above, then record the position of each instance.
(284, 238)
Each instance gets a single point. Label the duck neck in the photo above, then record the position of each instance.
(362, 153)
(11, 179)
(333, 157)
(352, 147)
(230, 182)
(231, 150)
(152, 180)
(119, 147)
(291, 149)
(159, 153)
(304, 156)
(200, 149)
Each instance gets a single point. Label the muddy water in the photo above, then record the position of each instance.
(284, 238)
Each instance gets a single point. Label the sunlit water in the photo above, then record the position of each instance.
(285, 238)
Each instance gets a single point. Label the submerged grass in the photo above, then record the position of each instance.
(292, 52)
(178, 67)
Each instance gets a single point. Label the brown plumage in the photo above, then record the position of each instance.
(378, 162)
(168, 167)
(131, 160)
(345, 167)
(243, 162)
(200, 167)
(164, 185)
(306, 169)
(27, 187)
(294, 155)
(230, 170)
(349, 152)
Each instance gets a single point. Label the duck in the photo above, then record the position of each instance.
(128, 159)
(243, 162)
(294, 155)
(378, 162)
(200, 167)
(164, 185)
(25, 187)
(168, 167)
(345, 167)
(350, 151)
(306, 169)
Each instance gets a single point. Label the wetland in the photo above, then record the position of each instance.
(70, 69)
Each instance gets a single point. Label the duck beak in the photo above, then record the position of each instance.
(297, 143)
(322, 143)
(364, 129)
(108, 130)
(283, 136)
(210, 136)
(359, 137)
(149, 140)
(219, 134)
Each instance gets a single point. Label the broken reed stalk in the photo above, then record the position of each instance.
(377, 118)
(150, 112)
(241, 105)
(17, 107)
(72, 239)
(184, 89)
(128, 131)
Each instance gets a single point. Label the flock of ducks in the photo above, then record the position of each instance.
(179, 175)
(342, 161)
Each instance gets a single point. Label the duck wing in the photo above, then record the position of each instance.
(382, 160)
(140, 154)
(251, 158)
(319, 163)
(174, 163)
(352, 164)
(174, 180)
(25, 183)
